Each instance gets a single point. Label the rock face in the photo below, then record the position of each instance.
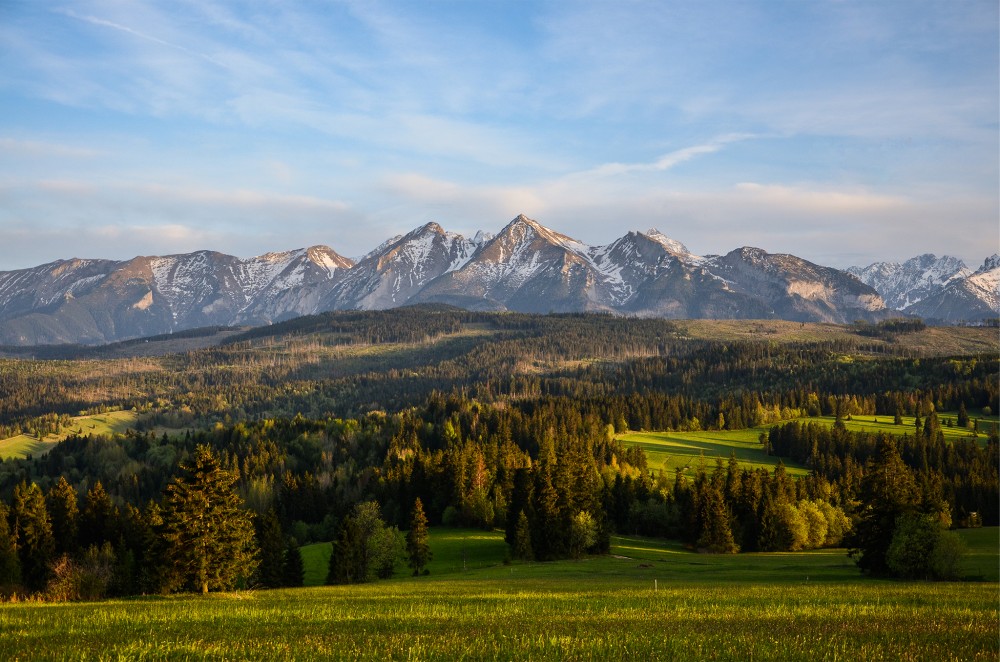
(937, 289)
(526, 267)
(94, 301)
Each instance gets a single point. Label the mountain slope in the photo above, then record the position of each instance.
(796, 289)
(934, 288)
(396, 271)
(902, 285)
(526, 267)
(92, 301)
(972, 298)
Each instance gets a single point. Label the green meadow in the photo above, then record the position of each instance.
(114, 422)
(648, 599)
(670, 451)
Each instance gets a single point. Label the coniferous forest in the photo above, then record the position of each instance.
(349, 428)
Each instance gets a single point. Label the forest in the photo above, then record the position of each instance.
(333, 428)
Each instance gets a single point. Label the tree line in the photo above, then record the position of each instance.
(548, 471)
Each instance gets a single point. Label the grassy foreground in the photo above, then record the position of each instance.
(648, 600)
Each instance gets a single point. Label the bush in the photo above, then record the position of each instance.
(87, 579)
(946, 558)
(921, 549)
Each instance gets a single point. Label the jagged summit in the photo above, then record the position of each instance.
(907, 284)
(990, 263)
(671, 245)
(525, 267)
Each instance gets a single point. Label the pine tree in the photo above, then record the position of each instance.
(65, 514)
(10, 565)
(418, 549)
(963, 416)
(272, 550)
(100, 521)
(522, 538)
(293, 570)
(36, 546)
(716, 533)
(888, 491)
(209, 535)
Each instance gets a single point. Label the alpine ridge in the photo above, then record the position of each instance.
(526, 267)
(938, 289)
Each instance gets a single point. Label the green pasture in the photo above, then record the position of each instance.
(669, 451)
(982, 553)
(22, 445)
(672, 450)
(636, 559)
(648, 600)
(866, 423)
(115, 422)
(454, 551)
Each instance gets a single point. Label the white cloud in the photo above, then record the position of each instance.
(817, 201)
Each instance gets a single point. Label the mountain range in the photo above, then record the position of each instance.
(526, 267)
(941, 289)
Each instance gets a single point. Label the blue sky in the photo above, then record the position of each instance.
(843, 132)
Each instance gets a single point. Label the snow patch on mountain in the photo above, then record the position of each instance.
(903, 285)
(985, 282)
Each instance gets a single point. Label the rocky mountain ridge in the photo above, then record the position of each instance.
(526, 267)
(940, 289)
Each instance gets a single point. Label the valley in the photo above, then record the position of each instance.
(561, 461)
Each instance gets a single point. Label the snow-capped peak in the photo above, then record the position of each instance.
(903, 285)
(989, 264)
(672, 245)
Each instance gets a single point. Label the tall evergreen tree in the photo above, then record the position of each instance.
(418, 549)
(272, 550)
(65, 515)
(293, 570)
(888, 491)
(10, 565)
(522, 538)
(36, 546)
(716, 532)
(100, 521)
(209, 534)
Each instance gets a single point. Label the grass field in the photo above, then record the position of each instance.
(673, 450)
(670, 451)
(649, 600)
(115, 422)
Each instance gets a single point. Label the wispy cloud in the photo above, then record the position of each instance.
(667, 161)
(347, 122)
(813, 201)
(101, 22)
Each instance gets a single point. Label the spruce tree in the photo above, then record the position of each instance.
(888, 491)
(65, 515)
(293, 570)
(418, 550)
(716, 532)
(963, 416)
(100, 521)
(208, 533)
(10, 565)
(272, 550)
(36, 546)
(522, 538)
